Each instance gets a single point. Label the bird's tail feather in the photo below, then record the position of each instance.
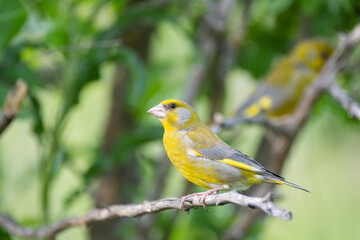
(283, 182)
(275, 178)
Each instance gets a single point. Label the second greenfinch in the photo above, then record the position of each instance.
(284, 85)
(202, 157)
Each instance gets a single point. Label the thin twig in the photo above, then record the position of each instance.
(12, 104)
(220, 123)
(210, 30)
(228, 51)
(112, 43)
(266, 204)
(345, 101)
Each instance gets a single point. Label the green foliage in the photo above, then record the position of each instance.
(4, 235)
(304, 19)
(14, 12)
(138, 74)
(124, 147)
(64, 48)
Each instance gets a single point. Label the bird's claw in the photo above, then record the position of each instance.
(202, 199)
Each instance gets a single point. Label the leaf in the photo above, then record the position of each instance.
(4, 235)
(138, 73)
(101, 164)
(72, 197)
(122, 150)
(127, 143)
(14, 13)
(38, 124)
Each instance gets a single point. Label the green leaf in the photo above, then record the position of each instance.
(123, 148)
(12, 18)
(127, 143)
(4, 235)
(38, 124)
(138, 73)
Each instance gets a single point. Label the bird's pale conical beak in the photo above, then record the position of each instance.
(158, 111)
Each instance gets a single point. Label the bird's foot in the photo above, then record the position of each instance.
(203, 195)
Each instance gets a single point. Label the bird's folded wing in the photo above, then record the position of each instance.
(206, 144)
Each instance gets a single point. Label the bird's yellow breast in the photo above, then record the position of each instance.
(199, 170)
(178, 154)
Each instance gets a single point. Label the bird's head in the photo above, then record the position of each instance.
(175, 114)
(313, 53)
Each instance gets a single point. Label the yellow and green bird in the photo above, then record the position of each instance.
(202, 157)
(284, 85)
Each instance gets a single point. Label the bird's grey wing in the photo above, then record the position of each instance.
(209, 145)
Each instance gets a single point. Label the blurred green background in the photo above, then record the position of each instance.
(83, 138)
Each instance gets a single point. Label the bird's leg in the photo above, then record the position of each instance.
(203, 195)
(209, 192)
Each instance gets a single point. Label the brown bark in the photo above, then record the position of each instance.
(112, 183)
(12, 104)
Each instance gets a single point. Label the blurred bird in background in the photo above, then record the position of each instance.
(284, 85)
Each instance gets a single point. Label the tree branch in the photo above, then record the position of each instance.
(12, 104)
(211, 29)
(265, 204)
(345, 101)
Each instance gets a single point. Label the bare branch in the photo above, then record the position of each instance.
(210, 30)
(345, 101)
(12, 104)
(228, 51)
(135, 210)
(220, 122)
(112, 43)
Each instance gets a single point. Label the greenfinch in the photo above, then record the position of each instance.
(202, 157)
(284, 86)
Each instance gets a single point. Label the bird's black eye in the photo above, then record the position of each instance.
(172, 105)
